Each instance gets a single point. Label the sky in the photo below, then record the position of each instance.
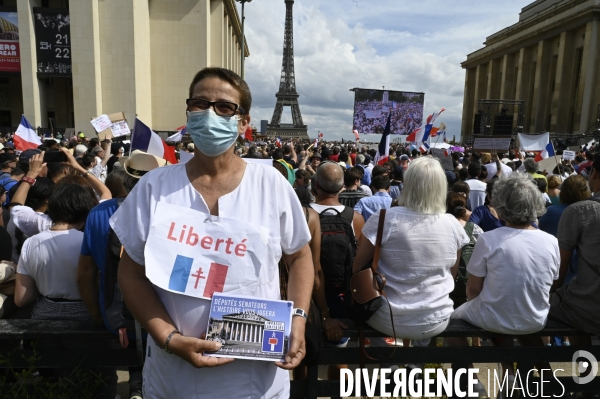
(405, 45)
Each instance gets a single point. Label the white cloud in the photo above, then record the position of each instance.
(341, 44)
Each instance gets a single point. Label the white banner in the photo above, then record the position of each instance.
(533, 142)
(372, 114)
(195, 254)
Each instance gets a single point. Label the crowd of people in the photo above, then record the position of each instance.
(371, 116)
(495, 241)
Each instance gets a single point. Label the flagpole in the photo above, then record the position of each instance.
(554, 151)
(131, 139)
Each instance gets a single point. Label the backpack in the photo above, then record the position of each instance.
(113, 308)
(338, 247)
(459, 295)
(7, 183)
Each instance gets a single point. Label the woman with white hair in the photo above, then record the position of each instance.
(420, 253)
(512, 268)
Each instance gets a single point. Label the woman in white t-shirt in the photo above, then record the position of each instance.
(420, 253)
(512, 268)
(218, 191)
(48, 263)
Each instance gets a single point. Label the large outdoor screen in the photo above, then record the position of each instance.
(371, 109)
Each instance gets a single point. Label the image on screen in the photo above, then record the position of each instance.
(371, 109)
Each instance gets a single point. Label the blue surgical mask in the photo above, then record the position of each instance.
(212, 134)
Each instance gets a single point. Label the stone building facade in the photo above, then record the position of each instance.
(135, 56)
(549, 59)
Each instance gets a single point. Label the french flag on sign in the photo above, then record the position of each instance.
(144, 139)
(546, 153)
(201, 279)
(278, 141)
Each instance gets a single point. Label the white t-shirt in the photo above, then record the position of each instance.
(51, 258)
(491, 169)
(519, 267)
(417, 253)
(477, 193)
(29, 222)
(265, 199)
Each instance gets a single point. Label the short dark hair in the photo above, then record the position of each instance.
(277, 154)
(343, 157)
(352, 175)
(55, 168)
(17, 171)
(484, 173)
(69, 203)
(378, 170)
(87, 160)
(380, 182)
(474, 169)
(39, 192)
(227, 76)
(302, 174)
(463, 174)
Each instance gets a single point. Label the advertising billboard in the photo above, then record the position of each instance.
(53, 42)
(372, 107)
(10, 58)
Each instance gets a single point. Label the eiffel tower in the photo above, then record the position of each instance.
(287, 95)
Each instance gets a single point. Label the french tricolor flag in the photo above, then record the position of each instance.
(181, 130)
(144, 139)
(424, 147)
(383, 150)
(546, 153)
(278, 141)
(25, 137)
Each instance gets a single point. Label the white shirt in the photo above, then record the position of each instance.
(491, 169)
(51, 258)
(417, 253)
(264, 198)
(477, 193)
(29, 222)
(519, 267)
(99, 170)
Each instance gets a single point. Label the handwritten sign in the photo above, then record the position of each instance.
(568, 155)
(101, 123)
(120, 128)
(492, 143)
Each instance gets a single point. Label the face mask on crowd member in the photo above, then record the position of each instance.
(214, 127)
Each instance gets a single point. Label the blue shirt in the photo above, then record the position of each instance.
(95, 239)
(549, 220)
(369, 205)
(366, 179)
(482, 217)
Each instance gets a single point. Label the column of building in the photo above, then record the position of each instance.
(34, 95)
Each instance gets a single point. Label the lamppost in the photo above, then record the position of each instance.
(243, 34)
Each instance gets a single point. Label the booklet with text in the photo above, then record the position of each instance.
(249, 328)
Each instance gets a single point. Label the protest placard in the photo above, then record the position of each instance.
(489, 143)
(112, 125)
(568, 155)
(446, 160)
(249, 328)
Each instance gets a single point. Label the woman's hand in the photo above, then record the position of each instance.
(71, 161)
(297, 349)
(192, 350)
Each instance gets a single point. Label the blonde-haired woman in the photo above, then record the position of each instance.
(418, 281)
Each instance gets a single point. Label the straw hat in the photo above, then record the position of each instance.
(140, 162)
